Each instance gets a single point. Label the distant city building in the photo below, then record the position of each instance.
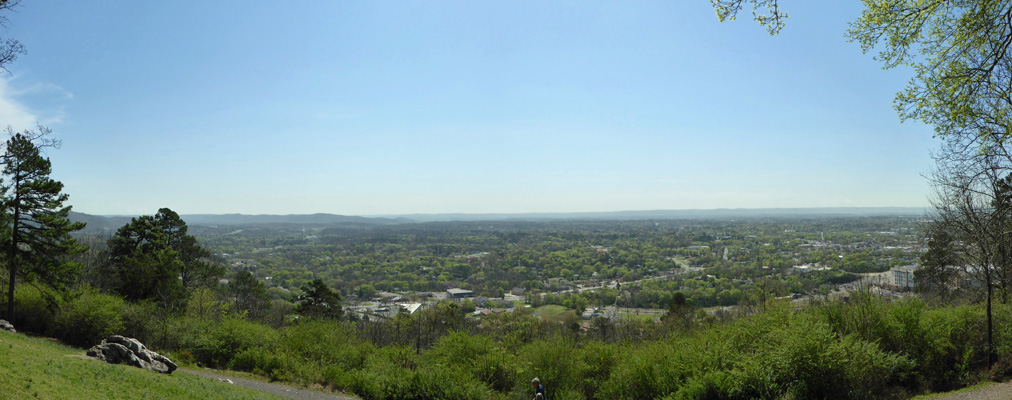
(806, 268)
(903, 276)
(458, 293)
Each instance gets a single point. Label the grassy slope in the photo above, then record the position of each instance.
(36, 368)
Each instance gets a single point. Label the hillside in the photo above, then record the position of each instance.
(98, 224)
(35, 368)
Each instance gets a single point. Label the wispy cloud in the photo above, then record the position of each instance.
(14, 111)
(42, 88)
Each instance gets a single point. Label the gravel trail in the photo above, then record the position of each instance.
(276, 389)
(997, 391)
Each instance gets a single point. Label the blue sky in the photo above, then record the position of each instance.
(367, 108)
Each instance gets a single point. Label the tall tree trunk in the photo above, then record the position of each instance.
(12, 251)
(990, 326)
(10, 296)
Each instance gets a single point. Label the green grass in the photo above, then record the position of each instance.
(34, 368)
(641, 317)
(550, 311)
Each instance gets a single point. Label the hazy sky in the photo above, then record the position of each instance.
(363, 107)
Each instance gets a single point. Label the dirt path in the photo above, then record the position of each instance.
(997, 391)
(276, 389)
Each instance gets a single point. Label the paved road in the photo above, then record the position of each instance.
(685, 268)
(276, 389)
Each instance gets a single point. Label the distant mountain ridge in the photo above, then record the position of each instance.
(674, 214)
(109, 224)
(98, 223)
(319, 218)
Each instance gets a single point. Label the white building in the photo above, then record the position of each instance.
(903, 276)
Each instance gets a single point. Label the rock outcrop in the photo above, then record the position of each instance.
(122, 350)
(7, 326)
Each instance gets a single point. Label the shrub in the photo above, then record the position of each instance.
(88, 318)
(555, 361)
(955, 339)
(653, 370)
(459, 347)
(451, 382)
(230, 337)
(139, 321)
(34, 310)
(327, 342)
(336, 377)
(259, 360)
(600, 359)
(383, 379)
(709, 385)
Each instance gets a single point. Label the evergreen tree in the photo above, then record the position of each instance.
(36, 227)
(153, 257)
(938, 274)
(249, 295)
(319, 301)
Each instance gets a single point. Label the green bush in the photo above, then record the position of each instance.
(326, 342)
(259, 360)
(555, 361)
(230, 337)
(382, 378)
(955, 342)
(803, 358)
(943, 342)
(34, 310)
(459, 347)
(88, 318)
(451, 382)
(709, 385)
(139, 321)
(778, 354)
(497, 370)
(600, 359)
(337, 377)
(870, 373)
(655, 369)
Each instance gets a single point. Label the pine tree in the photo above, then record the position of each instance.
(153, 257)
(319, 301)
(36, 228)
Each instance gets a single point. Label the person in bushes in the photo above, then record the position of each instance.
(539, 391)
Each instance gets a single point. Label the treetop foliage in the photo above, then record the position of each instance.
(319, 301)
(959, 52)
(10, 49)
(774, 19)
(154, 257)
